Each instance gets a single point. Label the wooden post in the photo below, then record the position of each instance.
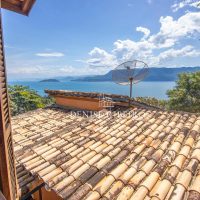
(7, 161)
(131, 88)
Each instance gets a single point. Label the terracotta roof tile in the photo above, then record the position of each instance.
(154, 155)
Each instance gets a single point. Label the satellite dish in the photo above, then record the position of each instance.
(129, 73)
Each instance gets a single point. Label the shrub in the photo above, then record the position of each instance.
(23, 99)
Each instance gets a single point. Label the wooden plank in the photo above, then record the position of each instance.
(7, 128)
(7, 125)
(2, 74)
(4, 94)
(1, 67)
(3, 85)
(2, 79)
(6, 111)
(3, 91)
(27, 5)
(4, 101)
(6, 118)
(10, 6)
(7, 168)
(14, 2)
(22, 7)
(5, 105)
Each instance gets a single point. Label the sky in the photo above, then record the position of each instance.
(86, 37)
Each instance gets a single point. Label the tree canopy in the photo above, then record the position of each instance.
(23, 99)
(186, 94)
(184, 97)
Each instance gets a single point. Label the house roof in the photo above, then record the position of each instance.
(147, 154)
(94, 95)
(19, 6)
(116, 98)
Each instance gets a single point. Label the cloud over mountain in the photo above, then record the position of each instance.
(156, 49)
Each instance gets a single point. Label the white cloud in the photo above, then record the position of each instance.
(185, 3)
(29, 70)
(153, 48)
(101, 58)
(187, 51)
(171, 31)
(129, 49)
(156, 49)
(144, 30)
(48, 71)
(52, 54)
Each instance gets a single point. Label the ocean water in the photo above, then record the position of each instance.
(143, 89)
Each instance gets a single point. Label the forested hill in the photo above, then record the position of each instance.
(155, 74)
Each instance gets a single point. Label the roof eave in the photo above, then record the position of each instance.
(24, 9)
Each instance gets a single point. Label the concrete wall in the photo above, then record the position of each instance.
(79, 102)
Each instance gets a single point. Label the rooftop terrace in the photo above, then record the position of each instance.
(152, 154)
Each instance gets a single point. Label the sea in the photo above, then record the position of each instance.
(142, 89)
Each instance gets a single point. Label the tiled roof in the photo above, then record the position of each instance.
(116, 98)
(87, 95)
(70, 93)
(153, 155)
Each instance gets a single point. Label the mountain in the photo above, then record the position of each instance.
(69, 78)
(155, 74)
(50, 80)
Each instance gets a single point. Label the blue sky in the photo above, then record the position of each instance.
(79, 37)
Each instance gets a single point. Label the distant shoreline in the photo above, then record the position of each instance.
(154, 75)
(155, 89)
(49, 80)
(112, 81)
(162, 74)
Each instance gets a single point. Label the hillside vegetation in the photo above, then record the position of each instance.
(23, 99)
(185, 96)
(155, 74)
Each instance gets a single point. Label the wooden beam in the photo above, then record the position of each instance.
(14, 2)
(12, 7)
(27, 5)
(21, 7)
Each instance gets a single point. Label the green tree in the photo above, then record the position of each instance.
(186, 94)
(152, 101)
(23, 99)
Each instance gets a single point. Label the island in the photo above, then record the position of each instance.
(155, 74)
(50, 80)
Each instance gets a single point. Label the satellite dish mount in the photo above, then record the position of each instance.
(129, 73)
